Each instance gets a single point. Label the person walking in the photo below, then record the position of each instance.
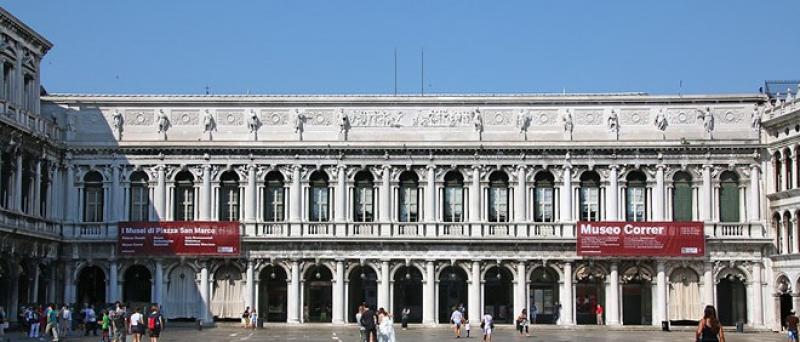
(136, 325)
(522, 322)
(155, 324)
(534, 313)
(556, 313)
(709, 329)
(386, 326)
(487, 325)
(598, 311)
(253, 319)
(119, 324)
(791, 326)
(466, 325)
(90, 320)
(358, 321)
(32, 317)
(368, 320)
(105, 324)
(65, 321)
(52, 322)
(457, 318)
(246, 317)
(404, 317)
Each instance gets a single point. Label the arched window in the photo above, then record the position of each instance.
(728, 197)
(318, 197)
(787, 221)
(408, 197)
(543, 197)
(364, 197)
(498, 197)
(44, 184)
(777, 165)
(274, 197)
(590, 196)
(453, 197)
(682, 205)
(778, 227)
(788, 163)
(636, 197)
(93, 197)
(6, 179)
(140, 197)
(184, 196)
(229, 196)
(8, 81)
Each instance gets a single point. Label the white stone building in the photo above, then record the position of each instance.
(420, 201)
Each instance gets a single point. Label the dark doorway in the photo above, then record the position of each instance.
(362, 288)
(589, 292)
(136, 286)
(452, 292)
(731, 301)
(498, 294)
(44, 276)
(5, 287)
(408, 294)
(318, 294)
(24, 282)
(786, 307)
(272, 294)
(637, 304)
(91, 287)
(543, 295)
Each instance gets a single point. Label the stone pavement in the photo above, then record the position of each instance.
(328, 333)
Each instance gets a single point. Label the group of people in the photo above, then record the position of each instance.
(374, 326)
(249, 318)
(460, 322)
(114, 323)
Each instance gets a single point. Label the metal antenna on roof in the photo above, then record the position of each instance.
(680, 88)
(208, 90)
(395, 71)
(422, 72)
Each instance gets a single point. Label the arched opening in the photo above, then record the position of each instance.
(777, 166)
(589, 292)
(362, 287)
(589, 196)
(364, 197)
(543, 197)
(274, 197)
(91, 287)
(408, 197)
(184, 201)
(408, 294)
(784, 298)
(6, 179)
(272, 294)
(788, 164)
(544, 295)
(498, 292)
(136, 285)
(140, 197)
(453, 208)
(452, 292)
(229, 196)
(777, 226)
(684, 296)
(729, 197)
(317, 294)
(637, 299)
(682, 199)
(636, 197)
(24, 284)
(498, 197)
(732, 298)
(182, 293)
(226, 301)
(93, 197)
(319, 197)
(790, 238)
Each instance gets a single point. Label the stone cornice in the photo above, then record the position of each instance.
(24, 31)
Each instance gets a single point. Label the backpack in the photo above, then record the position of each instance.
(153, 322)
(119, 320)
(34, 317)
(368, 320)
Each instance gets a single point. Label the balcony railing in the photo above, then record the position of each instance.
(318, 229)
(27, 223)
(728, 230)
(364, 229)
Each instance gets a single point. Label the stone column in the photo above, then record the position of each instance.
(250, 195)
(205, 301)
(34, 297)
(295, 195)
(474, 297)
(430, 201)
(566, 194)
(658, 194)
(293, 295)
(158, 295)
(755, 193)
(71, 195)
(429, 296)
(116, 198)
(662, 313)
(51, 283)
(113, 281)
(69, 283)
(251, 290)
(708, 283)
(787, 182)
(338, 294)
(705, 204)
(37, 184)
(383, 286)
(475, 196)
(18, 184)
(795, 176)
(612, 193)
(758, 296)
(205, 195)
(161, 194)
(520, 302)
(340, 214)
(520, 196)
(612, 302)
(568, 303)
(386, 191)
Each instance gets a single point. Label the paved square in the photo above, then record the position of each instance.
(231, 333)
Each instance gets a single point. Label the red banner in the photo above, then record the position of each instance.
(178, 238)
(618, 239)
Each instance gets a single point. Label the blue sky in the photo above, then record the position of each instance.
(156, 46)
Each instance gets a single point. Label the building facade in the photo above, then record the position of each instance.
(425, 202)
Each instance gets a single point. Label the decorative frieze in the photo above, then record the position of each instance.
(139, 117)
(185, 117)
(636, 116)
(588, 117)
(681, 116)
(230, 117)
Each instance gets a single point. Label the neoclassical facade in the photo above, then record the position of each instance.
(426, 202)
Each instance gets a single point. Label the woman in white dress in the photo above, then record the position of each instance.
(385, 327)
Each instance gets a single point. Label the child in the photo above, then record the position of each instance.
(466, 325)
(105, 326)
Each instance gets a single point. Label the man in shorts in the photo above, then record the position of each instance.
(457, 318)
(791, 326)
